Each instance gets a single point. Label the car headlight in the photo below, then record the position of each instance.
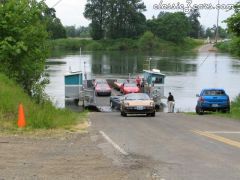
(126, 104)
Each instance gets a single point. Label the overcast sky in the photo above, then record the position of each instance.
(71, 11)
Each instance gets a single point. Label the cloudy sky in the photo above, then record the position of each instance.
(71, 11)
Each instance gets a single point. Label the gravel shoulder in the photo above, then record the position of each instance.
(71, 156)
(66, 156)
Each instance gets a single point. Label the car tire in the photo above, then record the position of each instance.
(199, 111)
(123, 114)
(226, 110)
(153, 114)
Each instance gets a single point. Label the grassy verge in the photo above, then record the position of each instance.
(234, 112)
(74, 44)
(37, 116)
(231, 46)
(235, 109)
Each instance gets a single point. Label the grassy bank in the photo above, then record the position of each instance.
(74, 44)
(37, 116)
(231, 46)
(235, 109)
(234, 112)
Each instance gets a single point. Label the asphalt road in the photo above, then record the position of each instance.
(171, 146)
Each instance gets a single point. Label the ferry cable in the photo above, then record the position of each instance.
(204, 60)
(56, 3)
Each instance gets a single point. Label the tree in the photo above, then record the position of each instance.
(202, 32)
(222, 32)
(54, 26)
(96, 11)
(170, 26)
(195, 25)
(126, 19)
(23, 43)
(71, 31)
(210, 33)
(234, 21)
(115, 18)
(234, 27)
(148, 41)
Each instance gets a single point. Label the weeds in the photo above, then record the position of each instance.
(38, 116)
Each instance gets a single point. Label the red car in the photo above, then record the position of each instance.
(103, 89)
(118, 83)
(127, 88)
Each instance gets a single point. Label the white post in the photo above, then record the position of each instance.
(149, 64)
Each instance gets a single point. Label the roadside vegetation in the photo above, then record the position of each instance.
(233, 24)
(26, 27)
(235, 108)
(38, 116)
(230, 46)
(147, 42)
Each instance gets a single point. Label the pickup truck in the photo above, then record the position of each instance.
(212, 100)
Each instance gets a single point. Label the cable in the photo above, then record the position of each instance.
(204, 60)
(56, 3)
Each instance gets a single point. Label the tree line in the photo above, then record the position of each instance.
(114, 19)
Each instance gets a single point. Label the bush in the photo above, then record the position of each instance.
(44, 116)
(234, 46)
(235, 108)
(94, 46)
(148, 41)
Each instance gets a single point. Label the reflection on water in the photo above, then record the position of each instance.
(186, 74)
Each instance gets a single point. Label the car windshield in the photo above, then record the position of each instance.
(130, 85)
(137, 96)
(103, 85)
(121, 81)
(213, 93)
(100, 81)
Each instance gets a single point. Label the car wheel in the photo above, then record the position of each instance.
(199, 111)
(153, 114)
(123, 114)
(226, 110)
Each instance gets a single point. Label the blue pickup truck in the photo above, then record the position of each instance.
(212, 100)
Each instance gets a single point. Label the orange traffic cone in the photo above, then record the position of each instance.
(21, 117)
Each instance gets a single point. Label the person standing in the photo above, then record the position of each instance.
(138, 81)
(171, 103)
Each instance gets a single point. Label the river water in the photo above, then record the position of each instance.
(186, 73)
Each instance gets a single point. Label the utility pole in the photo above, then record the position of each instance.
(149, 65)
(217, 33)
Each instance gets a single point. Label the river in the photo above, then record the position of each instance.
(186, 73)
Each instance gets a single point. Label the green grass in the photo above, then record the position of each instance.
(235, 109)
(231, 46)
(234, 112)
(37, 116)
(74, 44)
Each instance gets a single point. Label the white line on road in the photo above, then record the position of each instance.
(223, 132)
(113, 143)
